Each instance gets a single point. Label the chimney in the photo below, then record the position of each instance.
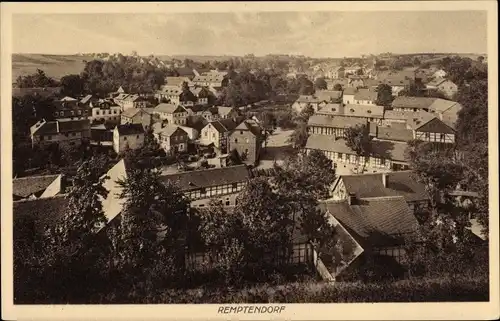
(385, 179)
(351, 199)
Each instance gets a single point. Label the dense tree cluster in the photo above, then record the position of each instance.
(36, 80)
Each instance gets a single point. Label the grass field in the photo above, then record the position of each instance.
(55, 66)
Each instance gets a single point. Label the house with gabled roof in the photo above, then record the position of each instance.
(445, 86)
(365, 96)
(409, 104)
(224, 183)
(33, 187)
(401, 183)
(381, 226)
(247, 139)
(447, 110)
(173, 114)
(67, 132)
(305, 101)
(172, 138)
(128, 136)
(384, 155)
(136, 116)
(334, 126)
(216, 133)
(434, 130)
(170, 93)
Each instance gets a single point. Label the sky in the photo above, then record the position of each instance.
(313, 34)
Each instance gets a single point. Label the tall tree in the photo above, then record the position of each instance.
(320, 84)
(72, 85)
(299, 136)
(384, 95)
(358, 139)
(338, 87)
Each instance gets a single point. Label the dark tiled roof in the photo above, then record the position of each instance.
(209, 177)
(394, 134)
(42, 213)
(335, 121)
(76, 125)
(399, 183)
(413, 102)
(130, 129)
(365, 94)
(327, 143)
(435, 126)
(375, 221)
(27, 186)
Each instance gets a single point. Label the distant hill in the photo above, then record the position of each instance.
(55, 66)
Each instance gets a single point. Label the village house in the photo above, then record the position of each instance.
(64, 132)
(365, 97)
(412, 103)
(398, 81)
(385, 155)
(305, 101)
(445, 86)
(380, 226)
(330, 83)
(227, 112)
(439, 74)
(446, 110)
(102, 135)
(105, 111)
(173, 139)
(371, 113)
(170, 93)
(211, 79)
(348, 95)
(401, 183)
(70, 108)
(355, 81)
(217, 183)
(333, 126)
(136, 116)
(433, 130)
(247, 139)
(128, 136)
(394, 134)
(203, 95)
(127, 101)
(330, 96)
(217, 133)
(174, 114)
(336, 73)
(34, 187)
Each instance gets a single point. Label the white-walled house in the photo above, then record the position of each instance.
(174, 114)
(128, 136)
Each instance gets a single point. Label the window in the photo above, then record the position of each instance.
(352, 110)
(236, 140)
(382, 161)
(125, 138)
(97, 112)
(203, 191)
(206, 134)
(427, 136)
(241, 132)
(228, 203)
(234, 186)
(369, 111)
(137, 136)
(443, 136)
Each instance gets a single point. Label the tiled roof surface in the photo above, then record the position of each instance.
(335, 121)
(130, 129)
(209, 177)
(27, 186)
(435, 126)
(166, 108)
(412, 102)
(365, 94)
(327, 143)
(377, 221)
(401, 183)
(394, 134)
(42, 213)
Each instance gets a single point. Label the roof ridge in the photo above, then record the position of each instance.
(36, 176)
(26, 200)
(382, 198)
(203, 170)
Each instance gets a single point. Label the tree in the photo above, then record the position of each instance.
(265, 225)
(299, 136)
(76, 251)
(186, 94)
(338, 87)
(36, 80)
(306, 87)
(72, 85)
(358, 139)
(234, 158)
(384, 95)
(306, 113)
(320, 84)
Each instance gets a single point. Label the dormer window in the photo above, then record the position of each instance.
(352, 110)
(369, 111)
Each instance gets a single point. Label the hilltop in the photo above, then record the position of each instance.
(55, 66)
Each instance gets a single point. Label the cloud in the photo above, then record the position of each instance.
(310, 33)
